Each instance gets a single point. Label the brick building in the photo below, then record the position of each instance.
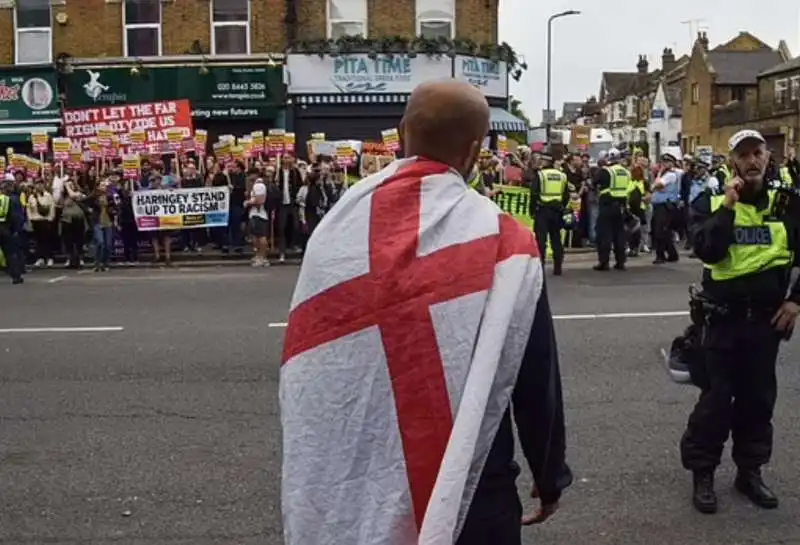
(142, 49)
(723, 93)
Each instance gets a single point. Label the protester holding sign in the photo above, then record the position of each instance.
(258, 218)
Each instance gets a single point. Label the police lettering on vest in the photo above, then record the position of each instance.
(552, 183)
(760, 242)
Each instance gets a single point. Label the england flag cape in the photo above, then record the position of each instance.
(406, 333)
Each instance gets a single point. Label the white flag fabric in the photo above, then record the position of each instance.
(407, 329)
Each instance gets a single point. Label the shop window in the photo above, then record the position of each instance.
(34, 42)
(436, 19)
(347, 18)
(141, 20)
(230, 27)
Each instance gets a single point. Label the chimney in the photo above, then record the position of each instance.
(702, 37)
(668, 60)
(642, 65)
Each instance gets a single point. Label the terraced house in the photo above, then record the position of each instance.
(743, 83)
(348, 65)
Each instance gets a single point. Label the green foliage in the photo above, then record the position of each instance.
(398, 45)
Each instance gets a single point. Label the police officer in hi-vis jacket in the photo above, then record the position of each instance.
(747, 239)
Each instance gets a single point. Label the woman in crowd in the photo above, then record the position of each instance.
(126, 222)
(73, 222)
(41, 209)
(161, 240)
(103, 213)
(313, 201)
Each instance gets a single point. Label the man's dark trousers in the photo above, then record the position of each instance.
(9, 243)
(739, 398)
(547, 223)
(494, 517)
(663, 241)
(610, 232)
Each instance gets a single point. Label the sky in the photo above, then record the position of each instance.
(610, 36)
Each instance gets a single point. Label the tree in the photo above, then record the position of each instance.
(515, 108)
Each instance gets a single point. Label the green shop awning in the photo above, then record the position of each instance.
(22, 133)
(503, 121)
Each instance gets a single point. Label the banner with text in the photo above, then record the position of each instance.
(163, 209)
(154, 118)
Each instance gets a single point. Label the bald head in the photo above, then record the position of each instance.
(445, 121)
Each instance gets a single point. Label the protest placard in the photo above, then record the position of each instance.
(155, 118)
(164, 209)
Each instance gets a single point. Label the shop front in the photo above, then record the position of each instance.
(356, 96)
(28, 104)
(225, 98)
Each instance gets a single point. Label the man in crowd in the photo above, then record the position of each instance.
(192, 241)
(428, 434)
(236, 214)
(289, 182)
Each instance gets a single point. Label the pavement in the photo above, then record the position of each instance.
(139, 407)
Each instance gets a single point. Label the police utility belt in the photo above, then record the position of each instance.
(704, 310)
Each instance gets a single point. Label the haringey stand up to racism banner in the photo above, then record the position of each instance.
(163, 209)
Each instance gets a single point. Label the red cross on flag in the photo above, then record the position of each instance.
(406, 332)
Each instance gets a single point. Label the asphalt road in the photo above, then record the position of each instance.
(164, 428)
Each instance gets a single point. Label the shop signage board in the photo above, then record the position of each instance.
(28, 95)
(214, 92)
(491, 77)
(360, 74)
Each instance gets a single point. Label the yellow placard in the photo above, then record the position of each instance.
(137, 137)
(170, 222)
(175, 135)
(317, 136)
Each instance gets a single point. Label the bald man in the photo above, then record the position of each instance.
(418, 325)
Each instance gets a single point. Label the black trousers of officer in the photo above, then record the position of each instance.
(737, 396)
(663, 242)
(547, 223)
(611, 232)
(10, 246)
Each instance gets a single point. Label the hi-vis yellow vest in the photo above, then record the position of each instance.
(760, 242)
(726, 171)
(474, 179)
(5, 205)
(786, 177)
(552, 184)
(620, 180)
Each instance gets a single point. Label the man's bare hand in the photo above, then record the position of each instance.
(732, 190)
(786, 316)
(542, 514)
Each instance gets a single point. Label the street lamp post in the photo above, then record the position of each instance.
(550, 59)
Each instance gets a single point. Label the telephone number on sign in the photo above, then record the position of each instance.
(245, 86)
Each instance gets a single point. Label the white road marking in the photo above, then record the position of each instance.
(103, 329)
(56, 279)
(619, 315)
(608, 316)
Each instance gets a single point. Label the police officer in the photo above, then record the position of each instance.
(666, 200)
(549, 198)
(11, 224)
(612, 189)
(747, 240)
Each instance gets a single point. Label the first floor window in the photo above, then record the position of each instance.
(795, 92)
(436, 19)
(781, 91)
(34, 38)
(141, 20)
(347, 18)
(230, 27)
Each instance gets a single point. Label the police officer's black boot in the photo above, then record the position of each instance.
(602, 267)
(557, 268)
(704, 498)
(750, 483)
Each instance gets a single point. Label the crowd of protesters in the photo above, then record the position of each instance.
(84, 216)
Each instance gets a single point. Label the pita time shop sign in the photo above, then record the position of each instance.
(154, 118)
